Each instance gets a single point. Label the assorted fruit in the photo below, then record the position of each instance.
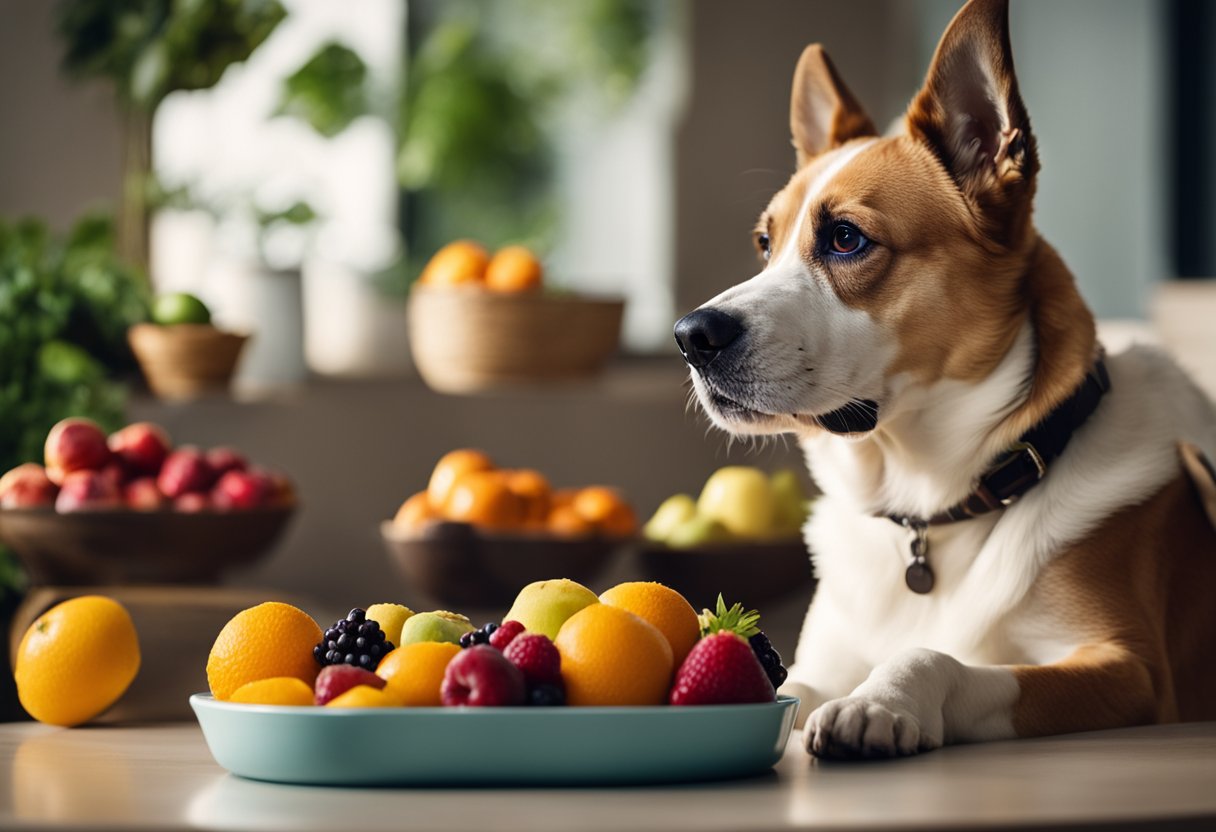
(138, 469)
(467, 487)
(737, 503)
(465, 263)
(637, 644)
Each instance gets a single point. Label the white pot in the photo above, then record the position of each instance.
(268, 305)
(352, 328)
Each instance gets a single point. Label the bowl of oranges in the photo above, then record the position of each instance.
(480, 322)
(478, 531)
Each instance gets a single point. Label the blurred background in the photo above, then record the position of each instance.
(295, 163)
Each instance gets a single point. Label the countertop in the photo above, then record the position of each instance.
(162, 776)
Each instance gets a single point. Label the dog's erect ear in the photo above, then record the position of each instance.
(972, 116)
(823, 113)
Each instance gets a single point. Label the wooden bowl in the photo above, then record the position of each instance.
(469, 339)
(134, 547)
(457, 565)
(752, 574)
(186, 361)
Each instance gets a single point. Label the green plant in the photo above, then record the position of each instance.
(148, 49)
(328, 91)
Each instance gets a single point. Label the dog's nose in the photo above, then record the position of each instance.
(704, 333)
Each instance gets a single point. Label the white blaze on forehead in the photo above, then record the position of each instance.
(842, 157)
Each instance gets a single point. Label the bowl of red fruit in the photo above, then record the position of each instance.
(132, 509)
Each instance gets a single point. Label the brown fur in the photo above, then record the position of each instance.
(1138, 591)
(824, 114)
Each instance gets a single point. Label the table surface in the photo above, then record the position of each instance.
(162, 776)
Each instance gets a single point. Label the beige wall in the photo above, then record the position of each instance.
(60, 142)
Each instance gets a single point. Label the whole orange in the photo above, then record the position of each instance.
(414, 672)
(459, 262)
(415, 513)
(263, 642)
(605, 509)
(564, 521)
(514, 269)
(533, 490)
(666, 609)
(451, 467)
(483, 499)
(612, 657)
(76, 660)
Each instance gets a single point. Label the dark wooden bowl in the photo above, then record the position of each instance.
(133, 547)
(455, 564)
(753, 574)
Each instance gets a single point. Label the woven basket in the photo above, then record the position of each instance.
(186, 361)
(468, 339)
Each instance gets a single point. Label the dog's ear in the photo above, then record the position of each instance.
(971, 114)
(823, 113)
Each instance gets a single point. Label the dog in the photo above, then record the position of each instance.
(1016, 533)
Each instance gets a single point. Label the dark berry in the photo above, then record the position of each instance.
(769, 658)
(488, 628)
(546, 696)
(354, 640)
(466, 640)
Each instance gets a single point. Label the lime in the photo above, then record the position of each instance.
(179, 308)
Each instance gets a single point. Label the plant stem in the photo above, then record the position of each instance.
(133, 219)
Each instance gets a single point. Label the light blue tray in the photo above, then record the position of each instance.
(539, 746)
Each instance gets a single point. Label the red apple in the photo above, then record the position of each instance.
(337, 679)
(223, 460)
(142, 495)
(480, 676)
(241, 491)
(185, 471)
(74, 445)
(116, 474)
(142, 447)
(27, 486)
(192, 503)
(87, 491)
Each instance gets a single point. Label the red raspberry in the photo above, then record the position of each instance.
(500, 638)
(537, 657)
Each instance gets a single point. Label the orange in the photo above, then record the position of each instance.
(415, 672)
(605, 509)
(483, 499)
(364, 696)
(612, 657)
(76, 660)
(564, 521)
(562, 497)
(263, 642)
(281, 690)
(451, 467)
(514, 269)
(533, 491)
(459, 262)
(415, 513)
(666, 609)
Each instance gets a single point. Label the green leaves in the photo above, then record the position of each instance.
(328, 92)
(733, 620)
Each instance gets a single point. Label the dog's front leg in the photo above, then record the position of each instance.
(826, 664)
(921, 699)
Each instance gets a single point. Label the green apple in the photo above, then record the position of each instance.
(674, 511)
(741, 499)
(179, 308)
(698, 530)
(792, 505)
(543, 606)
(440, 625)
(391, 618)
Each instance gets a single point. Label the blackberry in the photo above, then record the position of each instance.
(478, 636)
(769, 658)
(546, 696)
(354, 640)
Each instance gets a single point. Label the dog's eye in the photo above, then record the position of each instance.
(763, 244)
(846, 239)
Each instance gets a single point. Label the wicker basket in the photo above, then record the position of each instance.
(468, 339)
(186, 361)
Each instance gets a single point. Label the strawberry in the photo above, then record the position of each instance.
(722, 668)
(535, 655)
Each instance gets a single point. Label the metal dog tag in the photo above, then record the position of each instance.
(919, 575)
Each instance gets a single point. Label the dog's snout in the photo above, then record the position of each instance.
(704, 333)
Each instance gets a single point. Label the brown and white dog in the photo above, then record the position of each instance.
(909, 325)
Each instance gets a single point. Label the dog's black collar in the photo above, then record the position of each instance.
(1013, 474)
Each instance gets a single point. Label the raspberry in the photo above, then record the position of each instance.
(507, 631)
(537, 657)
(547, 696)
(354, 640)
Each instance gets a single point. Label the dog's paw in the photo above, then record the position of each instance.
(858, 728)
